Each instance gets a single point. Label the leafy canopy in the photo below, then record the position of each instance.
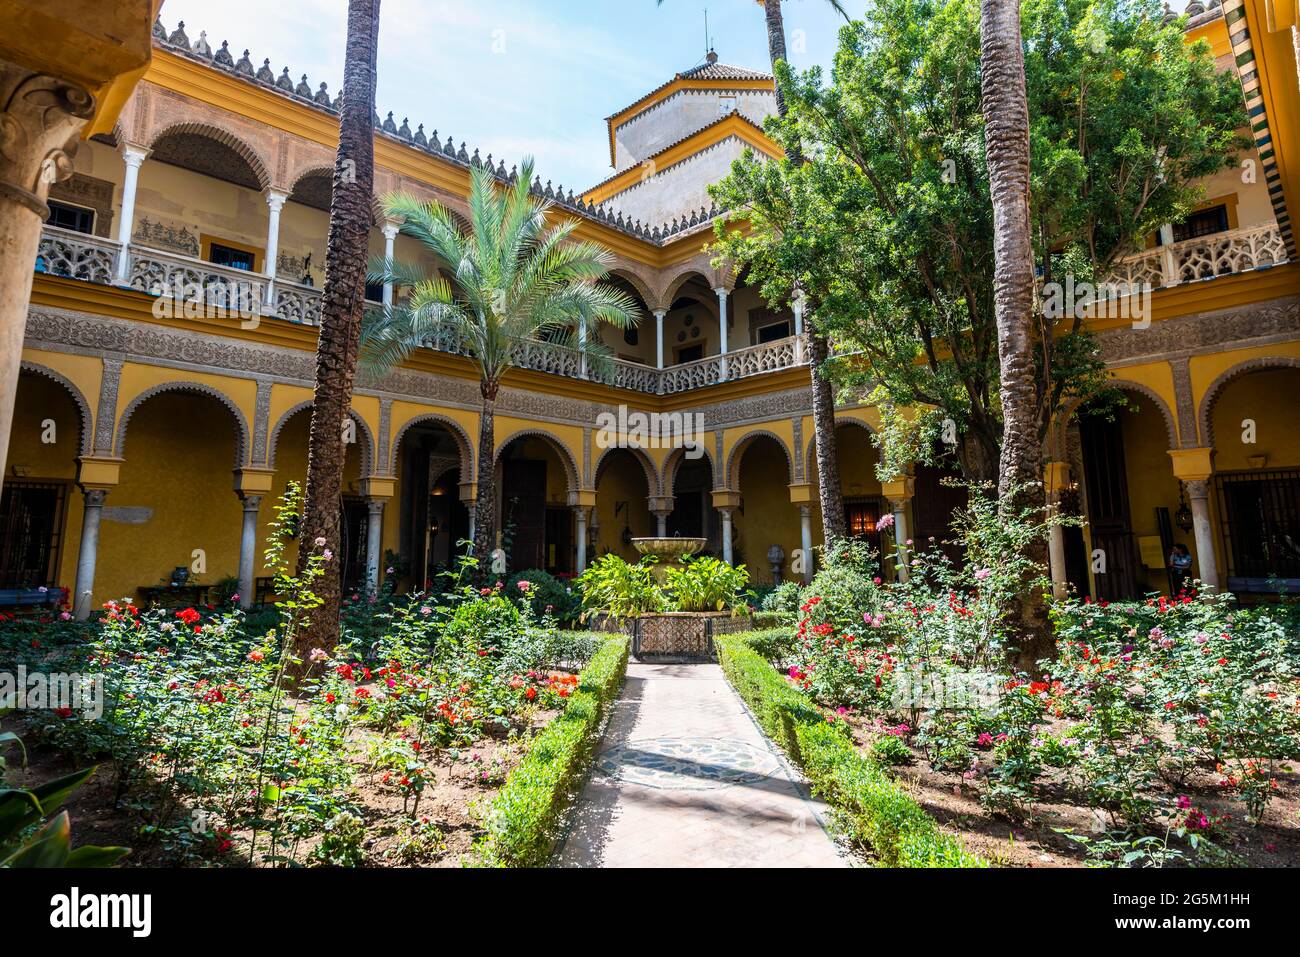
(888, 226)
(510, 277)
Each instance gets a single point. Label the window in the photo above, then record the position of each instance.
(220, 255)
(690, 353)
(630, 335)
(76, 218)
(1261, 528)
(861, 517)
(774, 331)
(375, 291)
(726, 105)
(31, 522)
(1205, 222)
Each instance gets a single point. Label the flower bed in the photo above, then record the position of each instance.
(523, 822)
(381, 752)
(874, 810)
(1161, 733)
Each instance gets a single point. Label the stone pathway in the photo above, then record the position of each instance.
(685, 778)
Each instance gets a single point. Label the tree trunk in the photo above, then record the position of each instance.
(1020, 472)
(828, 471)
(978, 458)
(340, 323)
(485, 507)
(828, 459)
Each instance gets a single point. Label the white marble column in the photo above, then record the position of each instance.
(722, 329)
(374, 542)
(1056, 559)
(659, 337)
(248, 550)
(1168, 265)
(40, 119)
(133, 157)
(275, 200)
(901, 536)
(806, 541)
(83, 590)
(390, 230)
(580, 513)
(582, 345)
(726, 534)
(797, 304)
(470, 507)
(1198, 497)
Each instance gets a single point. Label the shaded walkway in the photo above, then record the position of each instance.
(685, 778)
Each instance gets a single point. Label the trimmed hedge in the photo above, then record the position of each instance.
(526, 814)
(878, 811)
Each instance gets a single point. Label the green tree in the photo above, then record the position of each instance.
(895, 237)
(514, 278)
(823, 394)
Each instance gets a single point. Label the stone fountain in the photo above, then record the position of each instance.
(669, 551)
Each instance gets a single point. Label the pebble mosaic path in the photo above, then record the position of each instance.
(685, 778)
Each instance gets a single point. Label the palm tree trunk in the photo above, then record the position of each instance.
(823, 398)
(485, 507)
(828, 457)
(1020, 471)
(340, 323)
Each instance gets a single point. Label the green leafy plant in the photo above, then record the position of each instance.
(706, 584)
(620, 589)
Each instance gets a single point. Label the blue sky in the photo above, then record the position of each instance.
(511, 76)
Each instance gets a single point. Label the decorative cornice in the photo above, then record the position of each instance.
(1190, 335)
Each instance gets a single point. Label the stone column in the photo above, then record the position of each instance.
(40, 119)
(133, 157)
(806, 541)
(1056, 477)
(390, 229)
(83, 590)
(661, 507)
(797, 304)
(722, 329)
(470, 507)
(582, 344)
(580, 513)
(1198, 497)
(659, 337)
(726, 533)
(375, 542)
(1168, 265)
(901, 535)
(248, 550)
(275, 199)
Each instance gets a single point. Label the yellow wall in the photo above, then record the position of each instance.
(621, 480)
(1255, 396)
(1151, 483)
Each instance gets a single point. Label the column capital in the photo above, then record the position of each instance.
(1197, 488)
(251, 502)
(1192, 464)
(583, 498)
(391, 227)
(375, 504)
(379, 486)
(133, 154)
(40, 125)
(94, 496)
(726, 498)
(661, 503)
(98, 472)
(275, 197)
(899, 489)
(251, 480)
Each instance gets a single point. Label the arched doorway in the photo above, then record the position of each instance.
(435, 523)
(622, 509)
(766, 517)
(535, 521)
(1257, 480)
(693, 515)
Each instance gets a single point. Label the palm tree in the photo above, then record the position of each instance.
(823, 398)
(515, 278)
(341, 308)
(1006, 147)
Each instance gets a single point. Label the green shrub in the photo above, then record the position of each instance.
(705, 584)
(525, 817)
(623, 590)
(782, 600)
(548, 594)
(877, 810)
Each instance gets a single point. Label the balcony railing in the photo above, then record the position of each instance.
(1205, 257)
(245, 294)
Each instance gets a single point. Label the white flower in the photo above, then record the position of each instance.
(320, 542)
